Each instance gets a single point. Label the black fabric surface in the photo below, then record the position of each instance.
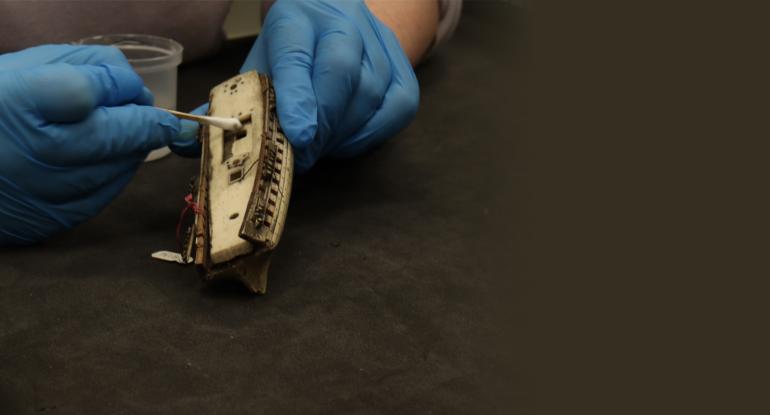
(391, 291)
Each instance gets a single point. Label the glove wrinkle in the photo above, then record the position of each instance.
(107, 89)
(27, 204)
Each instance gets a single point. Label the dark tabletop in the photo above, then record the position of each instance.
(393, 289)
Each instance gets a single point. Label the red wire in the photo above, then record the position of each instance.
(189, 205)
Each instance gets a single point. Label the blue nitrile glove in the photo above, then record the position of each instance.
(186, 143)
(74, 126)
(343, 84)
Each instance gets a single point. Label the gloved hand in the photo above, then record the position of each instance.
(343, 84)
(74, 127)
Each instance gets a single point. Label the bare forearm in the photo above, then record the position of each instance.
(413, 21)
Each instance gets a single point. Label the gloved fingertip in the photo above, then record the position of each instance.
(190, 149)
(304, 159)
(171, 126)
(201, 110)
(300, 142)
(302, 136)
(188, 130)
(186, 142)
(145, 97)
(301, 167)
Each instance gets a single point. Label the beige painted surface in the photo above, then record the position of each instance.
(227, 200)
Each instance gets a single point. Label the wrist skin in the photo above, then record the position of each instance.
(414, 22)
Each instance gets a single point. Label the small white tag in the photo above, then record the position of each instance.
(169, 256)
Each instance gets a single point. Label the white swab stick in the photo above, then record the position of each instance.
(231, 124)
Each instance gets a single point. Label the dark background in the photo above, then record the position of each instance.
(397, 286)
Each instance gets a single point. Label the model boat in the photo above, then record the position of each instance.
(243, 190)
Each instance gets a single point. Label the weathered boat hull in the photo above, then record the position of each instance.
(244, 185)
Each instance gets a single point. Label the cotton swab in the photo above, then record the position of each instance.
(230, 124)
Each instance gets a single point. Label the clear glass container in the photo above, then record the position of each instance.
(155, 59)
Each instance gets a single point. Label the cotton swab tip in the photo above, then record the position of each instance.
(230, 124)
(225, 123)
